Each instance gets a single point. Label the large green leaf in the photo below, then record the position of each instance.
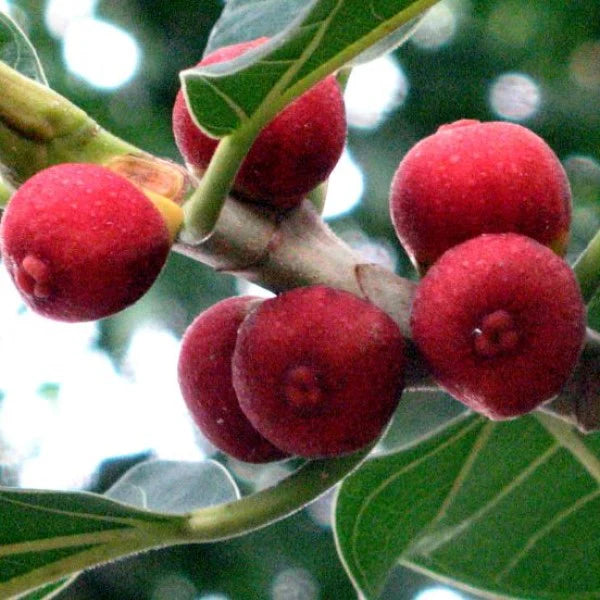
(324, 36)
(243, 20)
(16, 50)
(507, 509)
(45, 535)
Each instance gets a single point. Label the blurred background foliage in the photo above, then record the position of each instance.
(536, 63)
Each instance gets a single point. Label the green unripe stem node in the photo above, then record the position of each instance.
(39, 128)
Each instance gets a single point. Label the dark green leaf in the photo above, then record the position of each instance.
(45, 535)
(506, 509)
(17, 51)
(324, 36)
(49, 591)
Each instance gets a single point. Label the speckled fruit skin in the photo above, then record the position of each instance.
(471, 178)
(318, 371)
(81, 242)
(295, 152)
(501, 322)
(204, 371)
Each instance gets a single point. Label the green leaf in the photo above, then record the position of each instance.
(502, 509)
(45, 535)
(325, 35)
(244, 20)
(49, 591)
(175, 487)
(17, 51)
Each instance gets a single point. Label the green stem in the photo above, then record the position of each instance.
(39, 128)
(203, 208)
(265, 507)
(587, 269)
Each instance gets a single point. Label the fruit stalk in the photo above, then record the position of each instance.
(297, 250)
(204, 206)
(272, 504)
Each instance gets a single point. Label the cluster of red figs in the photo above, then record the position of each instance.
(482, 209)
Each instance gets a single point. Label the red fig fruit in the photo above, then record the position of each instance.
(501, 322)
(470, 178)
(81, 242)
(318, 371)
(295, 152)
(205, 380)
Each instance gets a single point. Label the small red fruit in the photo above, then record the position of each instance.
(318, 371)
(471, 178)
(501, 322)
(81, 242)
(295, 152)
(205, 380)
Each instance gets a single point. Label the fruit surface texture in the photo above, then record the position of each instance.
(318, 371)
(81, 242)
(471, 178)
(501, 322)
(295, 152)
(204, 370)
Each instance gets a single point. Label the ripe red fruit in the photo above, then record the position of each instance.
(205, 379)
(318, 371)
(471, 178)
(295, 152)
(501, 322)
(81, 242)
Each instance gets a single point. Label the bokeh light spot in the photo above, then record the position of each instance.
(438, 593)
(373, 90)
(584, 66)
(102, 54)
(513, 23)
(60, 13)
(295, 584)
(345, 187)
(437, 27)
(515, 96)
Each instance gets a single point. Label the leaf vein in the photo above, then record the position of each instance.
(354, 541)
(431, 543)
(92, 516)
(543, 531)
(235, 107)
